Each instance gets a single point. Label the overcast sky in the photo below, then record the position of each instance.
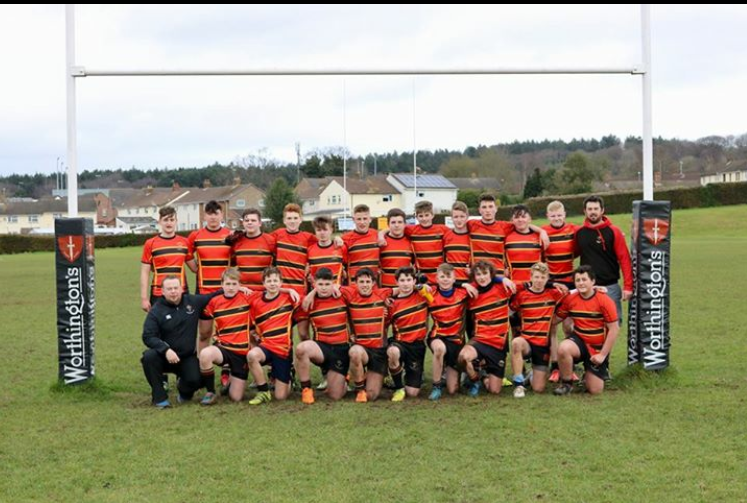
(699, 79)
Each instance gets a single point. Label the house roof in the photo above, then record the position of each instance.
(369, 185)
(138, 198)
(423, 181)
(48, 204)
(204, 195)
(476, 183)
(310, 188)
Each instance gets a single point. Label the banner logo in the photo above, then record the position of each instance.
(70, 247)
(655, 229)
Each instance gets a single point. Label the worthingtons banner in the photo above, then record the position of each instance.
(648, 321)
(76, 304)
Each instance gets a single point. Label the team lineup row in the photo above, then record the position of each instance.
(378, 268)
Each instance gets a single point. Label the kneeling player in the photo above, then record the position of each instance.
(230, 312)
(446, 337)
(368, 312)
(271, 313)
(595, 330)
(329, 349)
(536, 305)
(408, 316)
(487, 348)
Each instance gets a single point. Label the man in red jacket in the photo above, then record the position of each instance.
(602, 246)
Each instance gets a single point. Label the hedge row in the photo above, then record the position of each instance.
(21, 244)
(719, 194)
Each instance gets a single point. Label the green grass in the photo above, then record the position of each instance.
(679, 435)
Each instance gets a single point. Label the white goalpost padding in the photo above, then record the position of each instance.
(74, 72)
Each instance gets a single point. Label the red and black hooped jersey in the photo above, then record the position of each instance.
(213, 256)
(166, 256)
(231, 318)
(363, 251)
(252, 256)
(458, 253)
(397, 253)
(448, 315)
(273, 321)
(490, 311)
(428, 246)
(522, 252)
(329, 317)
(291, 257)
(409, 317)
(332, 257)
(590, 317)
(486, 241)
(368, 316)
(537, 311)
(560, 253)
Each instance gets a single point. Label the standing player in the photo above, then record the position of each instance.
(595, 329)
(488, 235)
(253, 250)
(211, 254)
(397, 250)
(408, 316)
(362, 243)
(523, 246)
(164, 254)
(427, 241)
(329, 349)
(324, 253)
(559, 255)
(271, 313)
(457, 250)
(536, 303)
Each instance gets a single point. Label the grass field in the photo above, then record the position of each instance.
(679, 436)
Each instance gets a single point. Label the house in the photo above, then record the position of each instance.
(730, 175)
(374, 191)
(234, 199)
(434, 188)
(37, 216)
(137, 209)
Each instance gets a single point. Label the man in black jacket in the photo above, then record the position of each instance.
(170, 332)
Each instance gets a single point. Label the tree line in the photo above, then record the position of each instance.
(525, 168)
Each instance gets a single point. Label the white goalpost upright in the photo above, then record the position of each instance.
(73, 72)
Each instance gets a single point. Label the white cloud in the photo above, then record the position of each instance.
(154, 122)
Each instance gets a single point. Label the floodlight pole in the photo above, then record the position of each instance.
(72, 150)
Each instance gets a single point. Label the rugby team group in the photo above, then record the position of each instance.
(367, 304)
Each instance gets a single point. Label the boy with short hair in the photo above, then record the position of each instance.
(230, 314)
(271, 313)
(324, 253)
(362, 243)
(457, 251)
(329, 349)
(408, 315)
(536, 304)
(397, 251)
(446, 337)
(164, 254)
